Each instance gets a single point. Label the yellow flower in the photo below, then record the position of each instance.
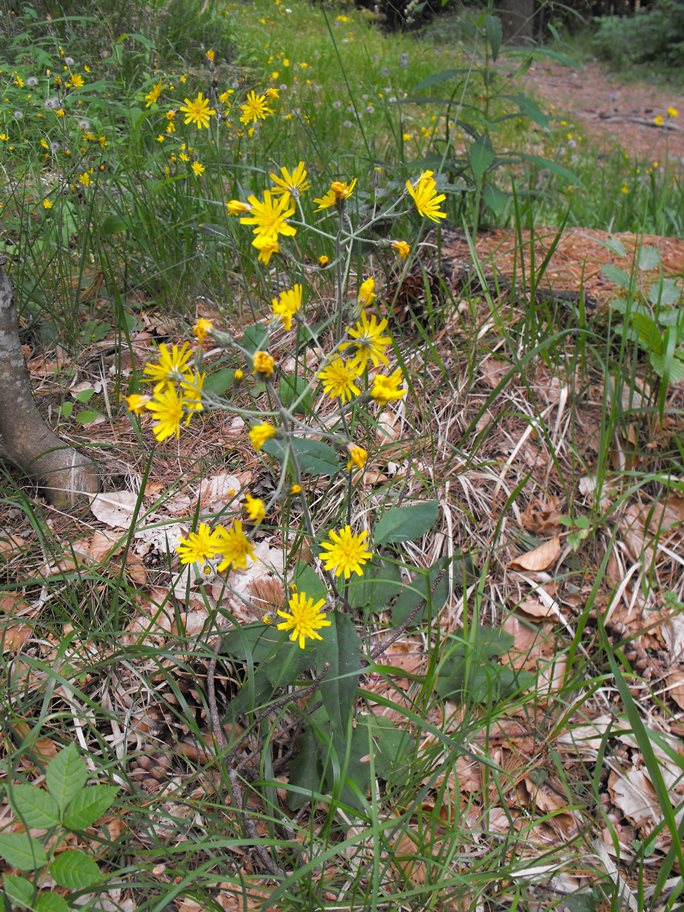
(385, 389)
(202, 328)
(287, 305)
(263, 363)
(191, 387)
(210, 55)
(369, 344)
(137, 403)
(402, 248)
(303, 619)
(357, 457)
(367, 292)
(199, 546)
(237, 207)
(336, 195)
(254, 109)
(84, 179)
(47, 204)
(198, 168)
(234, 547)
(658, 120)
(60, 112)
(338, 379)
(290, 183)
(238, 375)
(198, 111)
(168, 412)
(323, 260)
(271, 91)
(295, 489)
(425, 196)
(170, 366)
(673, 112)
(270, 217)
(260, 433)
(153, 94)
(255, 508)
(345, 553)
(76, 81)
(266, 246)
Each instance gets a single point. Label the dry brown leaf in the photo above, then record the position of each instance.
(540, 558)
(219, 490)
(542, 518)
(634, 794)
(536, 608)
(14, 636)
(675, 687)
(10, 545)
(114, 508)
(98, 546)
(493, 370)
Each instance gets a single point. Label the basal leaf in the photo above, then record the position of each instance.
(313, 456)
(341, 650)
(254, 337)
(401, 524)
(220, 381)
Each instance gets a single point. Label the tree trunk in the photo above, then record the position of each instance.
(25, 439)
(517, 18)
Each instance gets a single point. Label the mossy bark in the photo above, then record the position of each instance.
(64, 474)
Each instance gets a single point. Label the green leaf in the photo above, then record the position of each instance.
(305, 770)
(494, 33)
(616, 274)
(666, 293)
(52, 902)
(34, 806)
(401, 524)
(648, 332)
(548, 165)
(441, 76)
(253, 338)
(313, 456)
(75, 870)
(89, 805)
(18, 890)
(481, 156)
(341, 649)
(374, 590)
(649, 258)
(495, 198)
(424, 587)
(66, 774)
(530, 109)
(66, 409)
(84, 395)
(220, 381)
(87, 416)
(673, 367)
(22, 851)
(293, 388)
(307, 580)
(112, 224)
(391, 747)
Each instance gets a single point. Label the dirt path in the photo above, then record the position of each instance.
(613, 111)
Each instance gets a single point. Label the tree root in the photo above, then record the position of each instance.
(64, 474)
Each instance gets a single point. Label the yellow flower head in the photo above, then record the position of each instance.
(270, 216)
(234, 547)
(287, 305)
(171, 365)
(304, 618)
(191, 386)
(255, 508)
(424, 195)
(167, 407)
(338, 379)
(202, 328)
(335, 195)
(76, 81)
(290, 183)
(345, 553)
(357, 457)
(153, 94)
(47, 204)
(237, 207)
(323, 260)
(84, 179)
(137, 403)
(402, 248)
(659, 120)
(254, 109)
(263, 363)
(260, 433)
(199, 546)
(369, 344)
(367, 292)
(198, 168)
(266, 246)
(238, 375)
(672, 112)
(197, 111)
(210, 55)
(295, 489)
(385, 389)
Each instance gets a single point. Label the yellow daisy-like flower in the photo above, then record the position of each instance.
(153, 94)
(260, 433)
(47, 204)
(198, 168)
(672, 112)
(263, 363)
(254, 109)
(323, 260)
(292, 183)
(402, 248)
(198, 111)
(295, 489)
(367, 292)
(270, 216)
(255, 508)
(338, 379)
(76, 81)
(198, 547)
(266, 246)
(210, 55)
(167, 407)
(345, 553)
(202, 328)
(659, 120)
(237, 207)
(191, 387)
(385, 389)
(171, 365)
(338, 192)
(287, 305)
(369, 344)
(424, 195)
(304, 618)
(137, 403)
(234, 547)
(357, 457)
(84, 179)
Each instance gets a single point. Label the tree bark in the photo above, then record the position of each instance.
(517, 18)
(62, 472)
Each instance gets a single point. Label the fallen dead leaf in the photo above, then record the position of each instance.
(542, 518)
(10, 545)
(114, 508)
(540, 558)
(14, 636)
(219, 491)
(634, 794)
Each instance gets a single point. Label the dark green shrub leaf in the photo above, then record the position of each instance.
(89, 805)
(51, 902)
(34, 806)
(75, 870)
(66, 774)
(18, 890)
(22, 851)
